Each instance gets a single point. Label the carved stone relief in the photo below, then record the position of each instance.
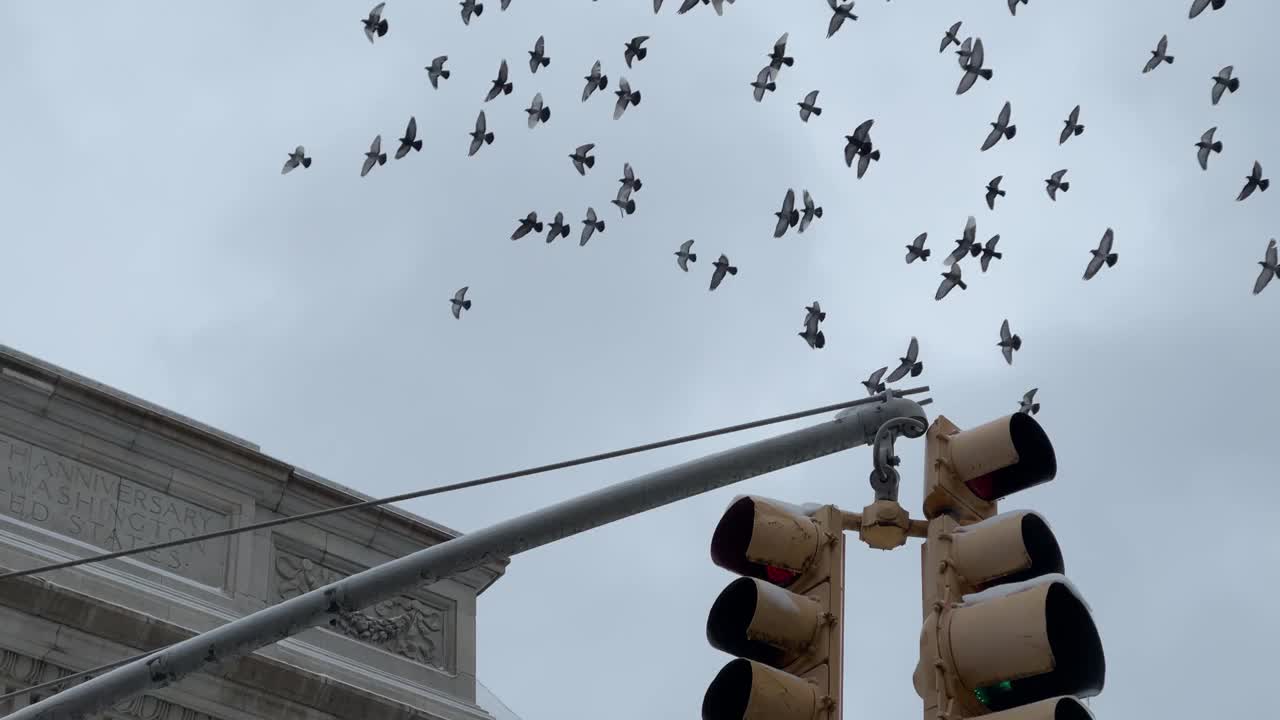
(404, 625)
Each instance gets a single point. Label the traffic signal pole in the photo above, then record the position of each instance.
(856, 426)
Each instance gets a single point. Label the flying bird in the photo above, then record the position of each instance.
(374, 24)
(873, 383)
(1009, 342)
(296, 158)
(557, 228)
(436, 71)
(950, 279)
(966, 245)
(633, 50)
(1270, 268)
(1054, 183)
(590, 225)
(528, 224)
(1254, 181)
(582, 158)
(479, 136)
(722, 266)
(1159, 55)
(907, 364)
(814, 310)
(1026, 406)
(1223, 81)
(808, 106)
(684, 256)
(971, 63)
(763, 83)
(778, 57)
(374, 156)
(1101, 254)
(841, 12)
(811, 334)
(460, 303)
(916, 250)
(989, 251)
(595, 81)
(949, 37)
(1198, 6)
(1000, 128)
(1072, 126)
(469, 8)
(410, 140)
(810, 212)
(1207, 145)
(538, 113)
(625, 97)
(629, 179)
(788, 216)
(500, 85)
(1013, 6)
(538, 55)
(625, 204)
(993, 190)
(859, 144)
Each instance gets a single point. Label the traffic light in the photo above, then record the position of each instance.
(782, 618)
(1005, 635)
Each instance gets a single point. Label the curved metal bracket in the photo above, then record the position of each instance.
(884, 477)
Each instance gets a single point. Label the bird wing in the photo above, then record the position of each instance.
(1216, 93)
(621, 106)
(376, 13)
(913, 350)
(375, 147)
(970, 230)
(587, 230)
(1008, 354)
(945, 287)
(1057, 176)
(591, 216)
(1067, 129)
(863, 131)
(1225, 73)
(683, 262)
(864, 162)
(966, 49)
(411, 132)
(978, 57)
(1271, 253)
(811, 98)
(992, 138)
(836, 20)
(1263, 279)
(1074, 117)
(1104, 246)
(502, 72)
(918, 243)
(808, 202)
(780, 47)
(539, 45)
(789, 202)
(1245, 192)
(289, 164)
(628, 175)
(1207, 137)
(876, 376)
(1003, 118)
(991, 198)
(1004, 331)
(718, 275)
(461, 294)
(456, 309)
(1151, 64)
(784, 221)
(1257, 171)
(1095, 264)
(1162, 46)
(1197, 7)
(966, 82)
(369, 160)
(480, 123)
(684, 246)
(1203, 156)
(1029, 395)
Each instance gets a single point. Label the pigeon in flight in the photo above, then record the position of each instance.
(1000, 128)
(1223, 81)
(374, 24)
(1054, 183)
(808, 106)
(629, 179)
(950, 279)
(763, 83)
(1009, 342)
(538, 113)
(460, 303)
(582, 158)
(1026, 406)
(528, 224)
(949, 37)
(296, 158)
(841, 12)
(1207, 145)
(966, 245)
(1254, 181)
(1102, 254)
(788, 216)
(469, 8)
(1159, 55)
(993, 190)
(972, 62)
(916, 250)
(1013, 6)
(410, 140)
(859, 144)
(873, 383)
(633, 50)
(1198, 6)
(625, 97)
(907, 364)
(500, 84)
(557, 228)
(810, 212)
(1270, 268)
(722, 266)
(989, 252)
(538, 55)
(814, 310)
(595, 81)
(1072, 126)
(778, 58)
(684, 256)
(590, 226)
(812, 335)
(375, 156)
(479, 136)
(436, 71)
(625, 204)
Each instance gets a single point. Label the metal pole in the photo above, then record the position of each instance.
(856, 426)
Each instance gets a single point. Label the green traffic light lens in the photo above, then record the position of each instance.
(988, 694)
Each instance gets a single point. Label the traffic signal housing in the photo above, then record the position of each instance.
(782, 618)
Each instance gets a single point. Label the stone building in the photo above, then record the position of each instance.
(85, 468)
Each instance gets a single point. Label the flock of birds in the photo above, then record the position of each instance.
(859, 148)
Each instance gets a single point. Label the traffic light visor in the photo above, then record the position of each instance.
(759, 621)
(747, 690)
(764, 539)
(1003, 456)
(1059, 708)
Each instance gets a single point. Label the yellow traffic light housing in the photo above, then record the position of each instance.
(782, 618)
(967, 471)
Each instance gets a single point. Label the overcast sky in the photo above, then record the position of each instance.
(150, 243)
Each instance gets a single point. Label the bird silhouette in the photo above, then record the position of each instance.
(436, 71)
(499, 85)
(788, 216)
(873, 383)
(1254, 181)
(808, 106)
(1207, 145)
(950, 279)
(1072, 126)
(916, 250)
(1009, 342)
(595, 81)
(949, 37)
(778, 57)
(993, 190)
(989, 252)
(537, 111)
(722, 266)
(907, 363)
(528, 224)
(374, 156)
(558, 228)
(1026, 406)
(410, 140)
(1000, 128)
(633, 51)
(459, 302)
(296, 158)
(374, 24)
(971, 61)
(840, 13)
(684, 256)
(480, 136)
(538, 55)
(1159, 55)
(1198, 6)
(763, 83)
(1101, 254)
(810, 212)
(470, 8)
(625, 98)
(1223, 81)
(1270, 268)
(1054, 183)
(590, 226)
(582, 158)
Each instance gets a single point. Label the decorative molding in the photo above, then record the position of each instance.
(26, 671)
(404, 625)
